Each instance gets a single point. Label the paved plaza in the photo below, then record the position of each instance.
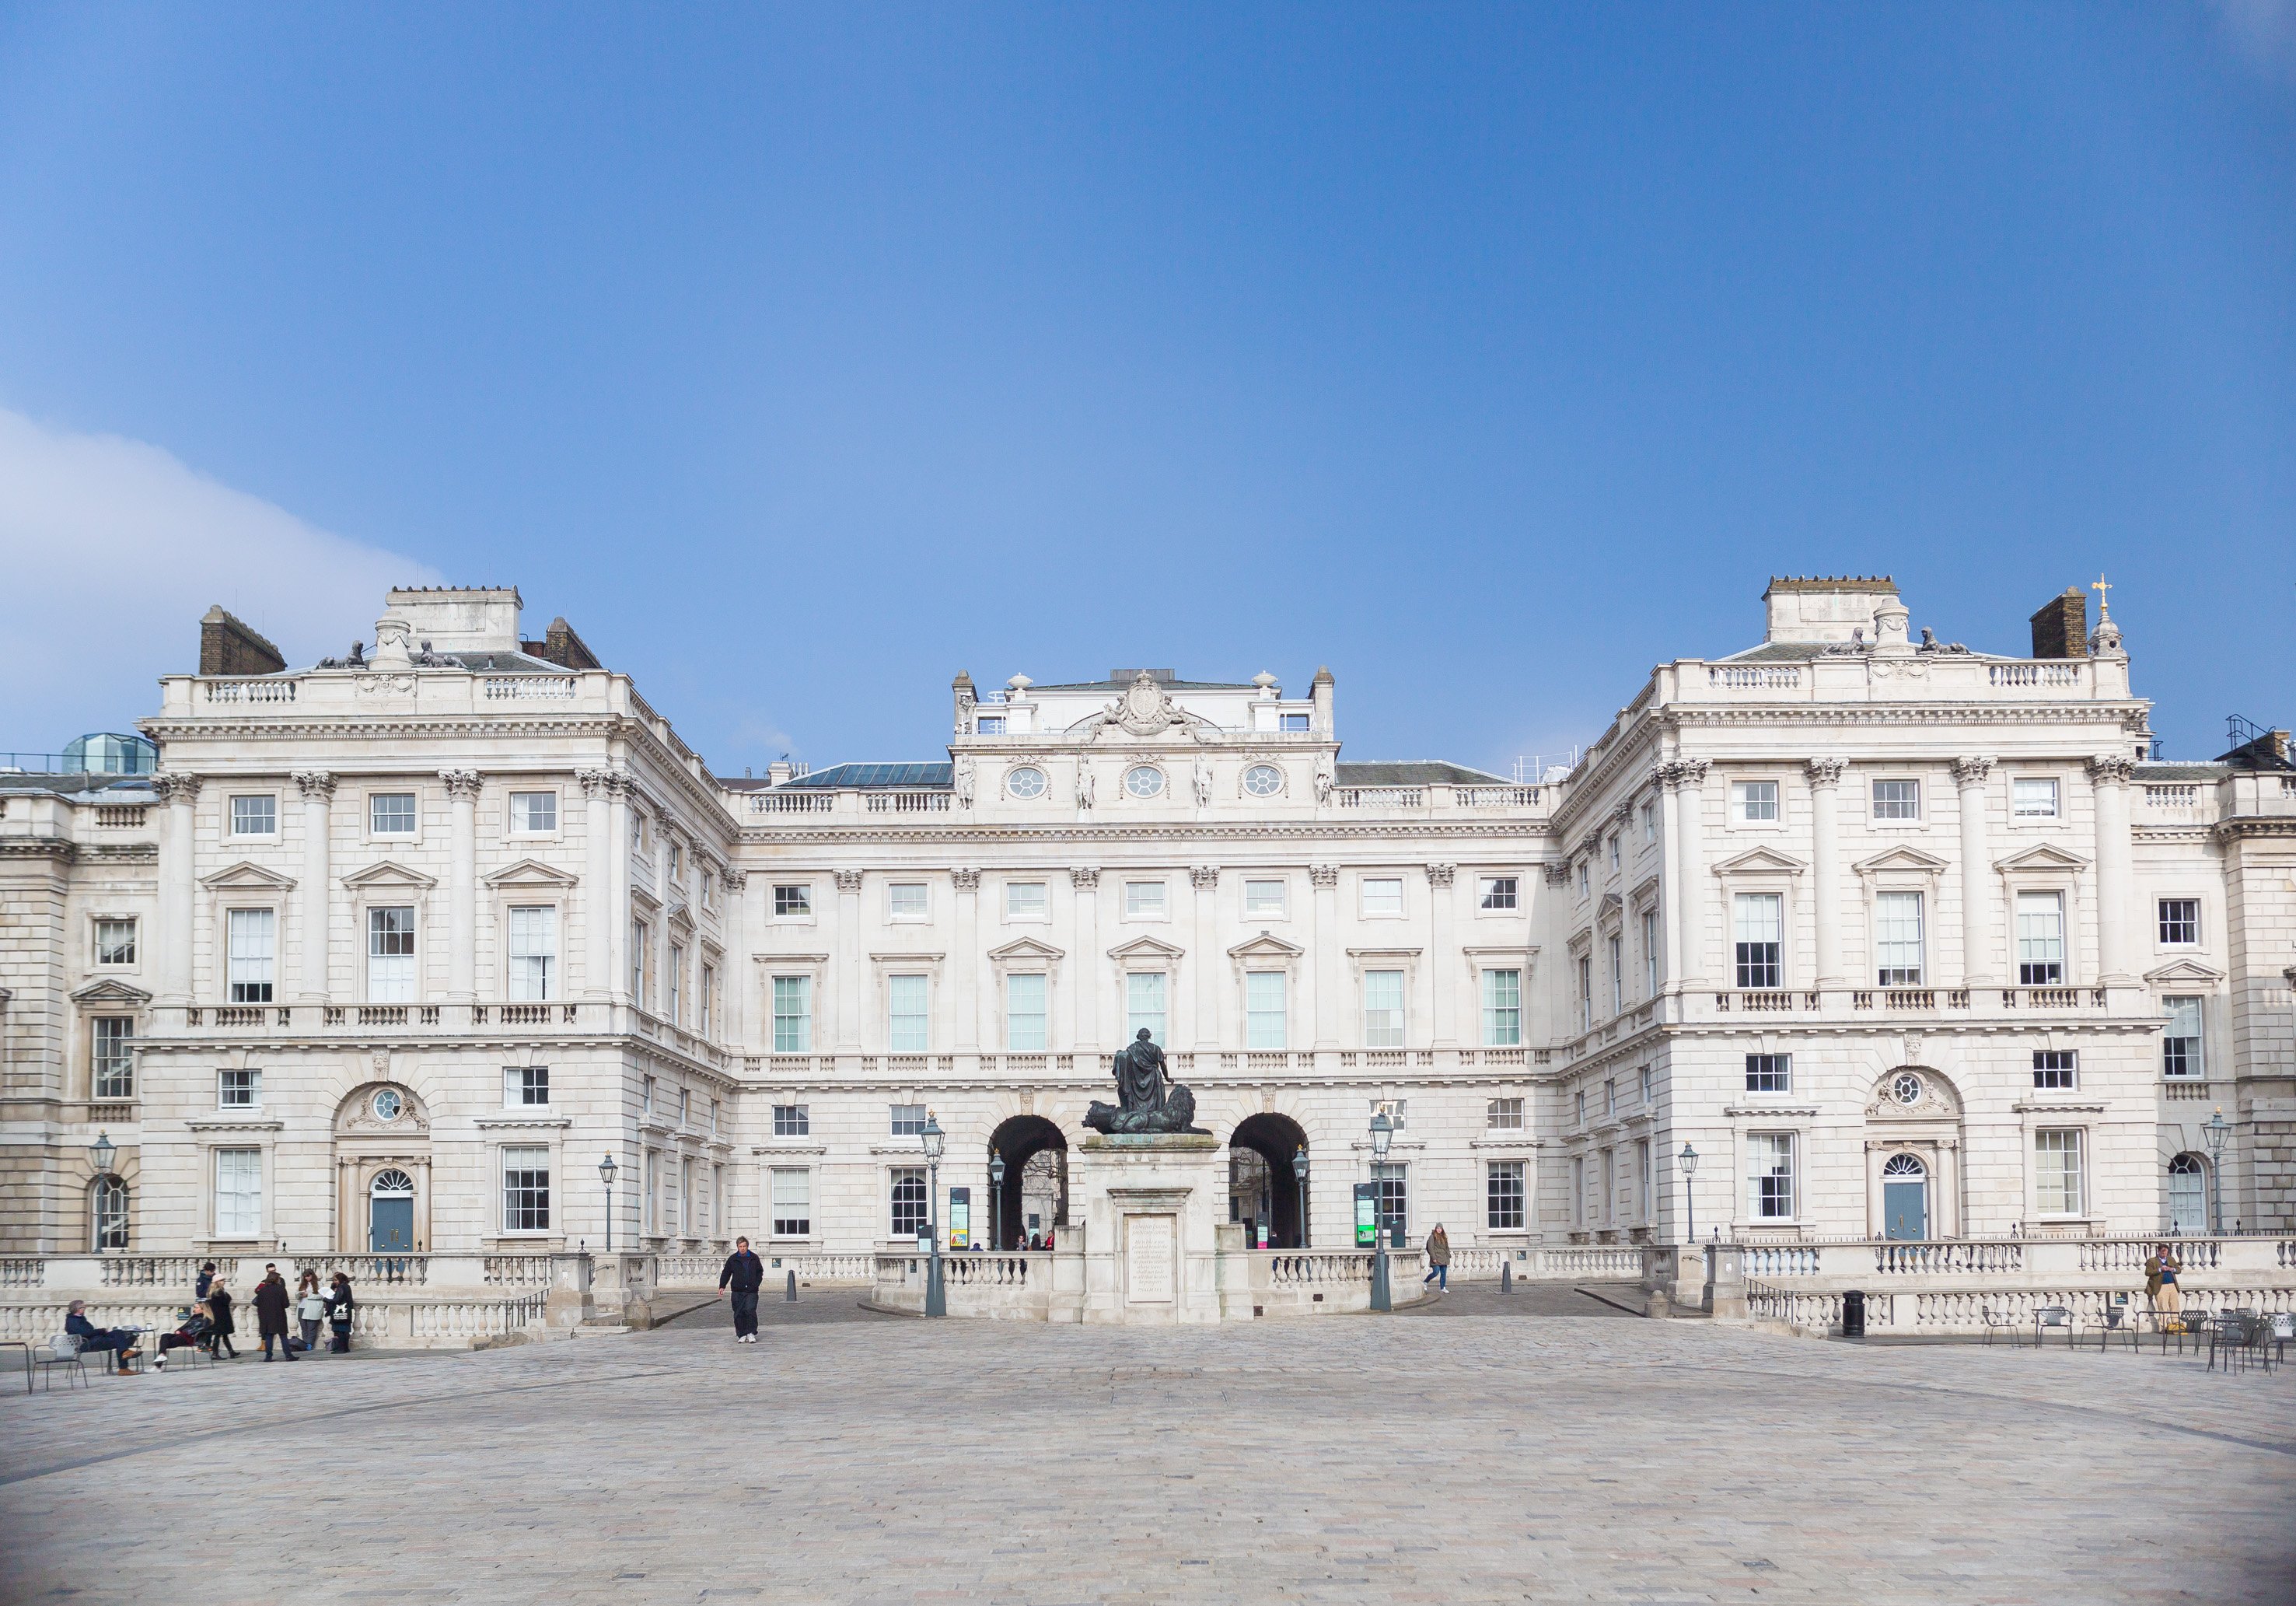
(1542, 1448)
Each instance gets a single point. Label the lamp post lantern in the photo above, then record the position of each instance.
(997, 1193)
(936, 1296)
(1688, 1161)
(2218, 1132)
(606, 1170)
(1383, 1133)
(1300, 1177)
(102, 1151)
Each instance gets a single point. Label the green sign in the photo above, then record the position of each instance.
(1366, 1214)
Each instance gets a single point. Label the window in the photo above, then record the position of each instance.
(677, 983)
(115, 941)
(1264, 898)
(1398, 1111)
(905, 901)
(1394, 1202)
(1769, 1073)
(1578, 1107)
(1585, 993)
(2057, 1176)
(1582, 878)
(1609, 1096)
(2033, 797)
(238, 1193)
(2040, 939)
(792, 1015)
(2056, 1068)
(1770, 1175)
(1499, 892)
(989, 724)
(1502, 1196)
(793, 1121)
(714, 1111)
(525, 1085)
(1144, 780)
(1643, 1180)
(646, 1095)
(1264, 1014)
(1896, 800)
(1143, 900)
(637, 832)
(1760, 919)
(526, 1189)
(792, 903)
(1898, 939)
(1578, 1190)
(1618, 955)
(907, 1120)
(534, 812)
(2180, 1042)
(905, 1031)
(1650, 822)
(709, 998)
(1503, 1115)
(390, 814)
(684, 1105)
(110, 1213)
(1383, 994)
(1295, 721)
(678, 861)
(1024, 1013)
(1612, 846)
(2180, 922)
(638, 963)
(1382, 897)
(2188, 1210)
(1502, 1008)
(708, 889)
(255, 815)
(1027, 781)
(252, 934)
(1025, 901)
(1754, 801)
(1646, 1086)
(792, 1199)
(533, 952)
(113, 1056)
(391, 955)
(908, 1200)
(1650, 954)
(1262, 780)
(1143, 1005)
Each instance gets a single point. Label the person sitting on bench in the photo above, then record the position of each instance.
(114, 1341)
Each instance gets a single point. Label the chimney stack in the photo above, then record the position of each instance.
(2061, 629)
(228, 645)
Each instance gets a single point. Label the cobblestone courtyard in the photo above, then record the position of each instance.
(1533, 1449)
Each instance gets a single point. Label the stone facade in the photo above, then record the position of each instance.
(420, 938)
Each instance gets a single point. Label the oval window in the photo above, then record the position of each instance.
(387, 1105)
(1906, 1089)
(1144, 780)
(1025, 783)
(1263, 780)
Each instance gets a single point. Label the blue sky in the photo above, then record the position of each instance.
(1489, 356)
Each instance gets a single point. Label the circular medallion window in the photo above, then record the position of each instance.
(388, 1105)
(1906, 1088)
(1263, 780)
(1144, 780)
(1024, 783)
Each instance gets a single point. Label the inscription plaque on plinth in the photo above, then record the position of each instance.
(1149, 1242)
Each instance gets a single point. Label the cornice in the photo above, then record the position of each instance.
(2257, 825)
(38, 847)
(1158, 831)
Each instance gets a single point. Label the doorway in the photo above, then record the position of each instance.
(1035, 1197)
(1263, 1184)
(390, 1214)
(1905, 1199)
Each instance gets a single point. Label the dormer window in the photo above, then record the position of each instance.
(989, 724)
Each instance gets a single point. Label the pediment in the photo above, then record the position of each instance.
(1900, 857)
(1610, 906)
(1267, 945)
(390, 872)
(111, 990)
(2177, 972)
(530, 872)
(1760, 862)
(1144, 948)
(246, 874)
(2042, 856)
(1026, 949)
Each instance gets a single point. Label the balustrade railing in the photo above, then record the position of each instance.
(809, 802)
(907, 803)
(962, 1270)
(527, 689)
(249, 691)
(1381, 797)
(1754, 677)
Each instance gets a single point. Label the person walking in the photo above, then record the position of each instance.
(339, 1304)
(219, 1303)
(206, 1282)
(271, 1302)
(744, 1273)
(310, 1309)
(1439, 1260)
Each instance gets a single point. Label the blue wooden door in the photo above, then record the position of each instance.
(390, 1225)
(1906, 1209)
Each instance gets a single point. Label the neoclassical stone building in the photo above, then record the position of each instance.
(1905, 940)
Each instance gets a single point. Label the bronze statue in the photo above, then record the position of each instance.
(1147, 1100)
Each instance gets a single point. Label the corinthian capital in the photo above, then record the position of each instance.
(1971, 771)
(602, 783)
(965, 880)
(461, 784)
(1441, 875)
(850, 881)
(2111, 768)
(1324, 874)
(174, 785)
(1083, 875)
(1203, 877)
(1825, 771)
(317, 786)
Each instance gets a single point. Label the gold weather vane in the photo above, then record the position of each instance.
(2104, 602)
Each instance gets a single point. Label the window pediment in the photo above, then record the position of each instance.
(1022, 950)
(246, 875)
(1144, 948)
(530, 872)
(2182, 973)
(388, 873)
(1267, 945)
(1902, 860)
(2042, 856)
(1760, 862)
(111, 990)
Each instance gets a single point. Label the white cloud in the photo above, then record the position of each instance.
(113, 548)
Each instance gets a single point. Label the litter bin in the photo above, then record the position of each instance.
(1853, 1313)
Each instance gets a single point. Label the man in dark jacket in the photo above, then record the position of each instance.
(113, 1341)
(744, 1274)
(271, 1301)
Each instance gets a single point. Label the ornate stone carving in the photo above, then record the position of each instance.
(1084, 875)
(1148, 1100)
(461, 784)
(1558, 871)
(316, 784)
(1084, 787)
(1441, 875)
(174, 785)
(1203, 782)
(1825, 771)
(1145, 709)
(965, 880)
(2111, 768)
(736, 879)
(1971, 771)
(601, 783)
(1327, 777)
(848, 881)
(1324, 874)
(964, 783)
(1203, 877)
(1685, 772)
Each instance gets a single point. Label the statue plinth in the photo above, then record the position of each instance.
(1150, 1204)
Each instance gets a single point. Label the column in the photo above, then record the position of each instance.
(849, 965)
(1688, 777)
(179, 887)
(614, 895)
(1670, 885)
(1325, 880)
(318, 789)
(462, 887)
(1084, 973)
(1978, 950)
(597, 882)
(964, 966)
(2109, 774)
(1826, 865)
(1205, 879)
(733, 981)
(1442, 974)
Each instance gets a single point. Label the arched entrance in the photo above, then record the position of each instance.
(2188, 1194)
(1913, 1156)
(1905, 1199)
(1036, 1192)
(1263, 1187)
(391, 1212)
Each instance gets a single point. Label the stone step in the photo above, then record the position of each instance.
(598, 1329)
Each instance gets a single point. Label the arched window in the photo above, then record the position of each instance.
(391, 1184)
(1904, 1165)
(108, 1203)
(2188, 1194)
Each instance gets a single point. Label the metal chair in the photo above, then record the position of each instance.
(2230, 1332)
(2272, 1342)
(2049, 1316)
(62, 1350)
(2117, 1319)
(1997, 1321)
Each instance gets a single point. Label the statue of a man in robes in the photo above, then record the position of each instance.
(1147, 1100)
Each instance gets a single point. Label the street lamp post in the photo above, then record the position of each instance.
(1688, 1160)
(2218, 1131)
(936, 1295)
(1300, 1177)
(1383, 1133)
(996, 1194)
(606, 1170)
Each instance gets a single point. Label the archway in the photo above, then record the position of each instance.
(2188, 1195)
(1036, 1179)
(1263, 1187)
